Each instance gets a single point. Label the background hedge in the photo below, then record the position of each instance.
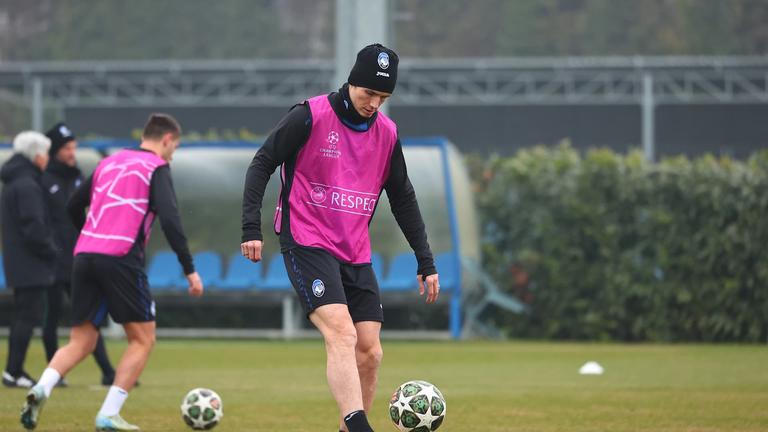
(604, 246)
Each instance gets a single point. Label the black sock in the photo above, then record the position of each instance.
(357, 422)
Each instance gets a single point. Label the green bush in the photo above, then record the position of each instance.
(610, 247)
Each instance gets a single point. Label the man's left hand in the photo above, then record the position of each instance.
(432, 287)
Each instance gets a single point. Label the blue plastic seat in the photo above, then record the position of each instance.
(276, 277)
(208, 265)
(242, 274)
(446, 269)
(402, 273)
(2, 273)
(165, 271)
(377, 262)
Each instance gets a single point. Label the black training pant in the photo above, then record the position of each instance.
(27, 308)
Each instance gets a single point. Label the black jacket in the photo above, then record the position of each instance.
(60, 181)
(29, 250)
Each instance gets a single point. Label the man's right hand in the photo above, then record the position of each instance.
(252, 250)
(195, 284)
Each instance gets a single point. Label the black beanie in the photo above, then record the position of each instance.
(59, 135)
(375, 69)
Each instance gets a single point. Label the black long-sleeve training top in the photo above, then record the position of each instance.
(282, 147)
(162, 202)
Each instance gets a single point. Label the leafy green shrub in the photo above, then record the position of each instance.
(610, 247)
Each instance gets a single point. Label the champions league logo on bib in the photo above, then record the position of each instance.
(318, 288)
(332, 151)
(333, 137)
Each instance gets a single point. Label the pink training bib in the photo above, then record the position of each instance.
(337, 182)
(119, 203)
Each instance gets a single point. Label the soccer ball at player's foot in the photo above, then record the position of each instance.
(417, 406)
(202, 409)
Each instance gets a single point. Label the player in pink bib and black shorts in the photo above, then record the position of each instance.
(123, 196)
(337, 155)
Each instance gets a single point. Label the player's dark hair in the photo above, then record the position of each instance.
(160, 124)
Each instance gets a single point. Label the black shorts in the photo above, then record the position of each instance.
(320, 279)
(103, 284)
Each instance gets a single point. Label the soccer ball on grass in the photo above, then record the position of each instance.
(417, 406)
(202, 409)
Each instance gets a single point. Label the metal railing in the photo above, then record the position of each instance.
(645, 81)
(483, 81)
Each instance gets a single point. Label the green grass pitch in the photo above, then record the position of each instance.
(489, 387)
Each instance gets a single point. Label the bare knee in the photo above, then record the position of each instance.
(140, 335)
(341, 337)
(144, 340)
(336, 326)
(369, 358)
(83, 339)
(82, 347)
(147, 341)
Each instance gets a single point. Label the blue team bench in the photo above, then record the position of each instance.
(239, 274)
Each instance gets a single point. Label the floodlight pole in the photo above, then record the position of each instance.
(358, 23)
(37, 104)
(648, 108)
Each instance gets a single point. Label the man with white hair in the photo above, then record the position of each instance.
(29, 249)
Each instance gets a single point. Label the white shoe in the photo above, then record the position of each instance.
(33, 405)
(113, 423)
(22, 381)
